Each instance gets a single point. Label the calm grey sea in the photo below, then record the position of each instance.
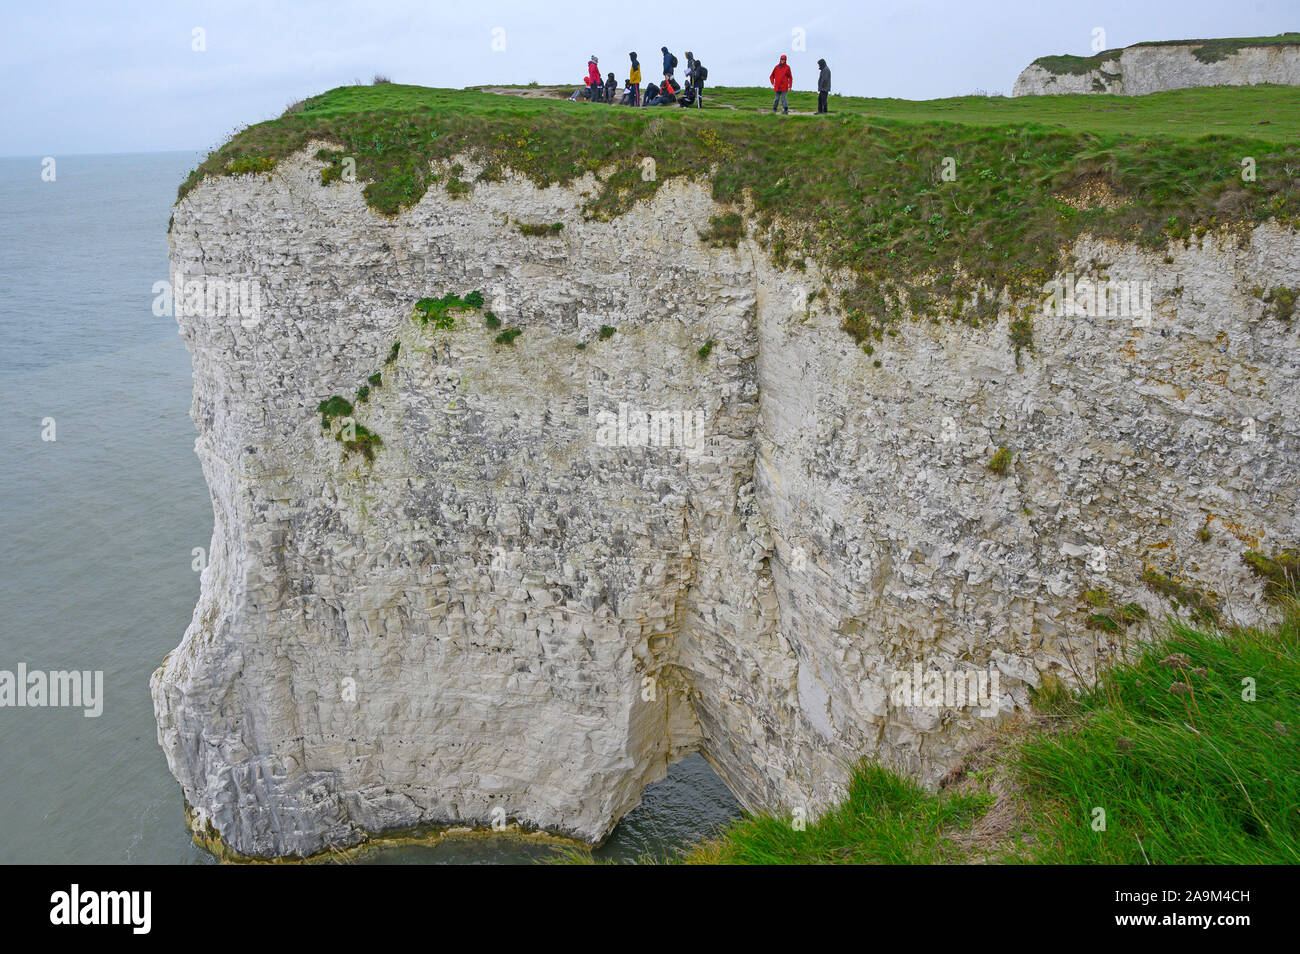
(98, 525)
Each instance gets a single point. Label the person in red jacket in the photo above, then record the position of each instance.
(781, 80)
(595, 85)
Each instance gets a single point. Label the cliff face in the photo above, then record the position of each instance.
(526, 606)
(1153, 68)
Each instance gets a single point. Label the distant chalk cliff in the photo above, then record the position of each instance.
(1153, 67)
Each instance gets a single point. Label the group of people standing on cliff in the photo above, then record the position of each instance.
(690, 92)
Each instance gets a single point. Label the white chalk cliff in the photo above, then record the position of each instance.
(1155, 67)
(503, 611)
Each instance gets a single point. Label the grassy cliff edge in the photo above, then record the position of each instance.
(934, 209)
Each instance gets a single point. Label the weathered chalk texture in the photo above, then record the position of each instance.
(509, 610)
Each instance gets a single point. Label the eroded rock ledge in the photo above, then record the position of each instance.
(502, 616)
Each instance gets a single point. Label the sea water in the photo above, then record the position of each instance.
(99, 525)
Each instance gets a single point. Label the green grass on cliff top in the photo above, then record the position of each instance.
(861, 189)
(1190, 751)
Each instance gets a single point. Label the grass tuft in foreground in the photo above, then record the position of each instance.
(1191, 753)
(886, 819)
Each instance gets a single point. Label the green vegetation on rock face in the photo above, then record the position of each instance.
(861, 190)
(355, 437)
(1211, 51)
(1281, 301)
(1110, 618)
(1204, 604)
(242, 165)
(1189, 753)
(1280, 573)
(1000, 462)
(359, 440)
(541, 230)
(1207, 51)
(333, 407)
(725, 230)
(1066, 64)
(1021, 334)
(438, 311)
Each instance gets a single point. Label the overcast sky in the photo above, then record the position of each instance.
(124, 76)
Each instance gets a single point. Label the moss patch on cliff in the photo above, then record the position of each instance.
(333, 407)
(1109, 617)
(439, 311)
(540, 231)
(1280, 301)
(1203, 603)
(864, 190)
(724, 230)
(359, 439)
(1183, 756)
(355, 437)
(1000, 462)
(1280, 573)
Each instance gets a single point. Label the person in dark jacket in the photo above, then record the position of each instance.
(611, 86)
(651, 91)
(667, 93)
(698, 76)
(823, 86)
(670, 61)
(688, 79)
